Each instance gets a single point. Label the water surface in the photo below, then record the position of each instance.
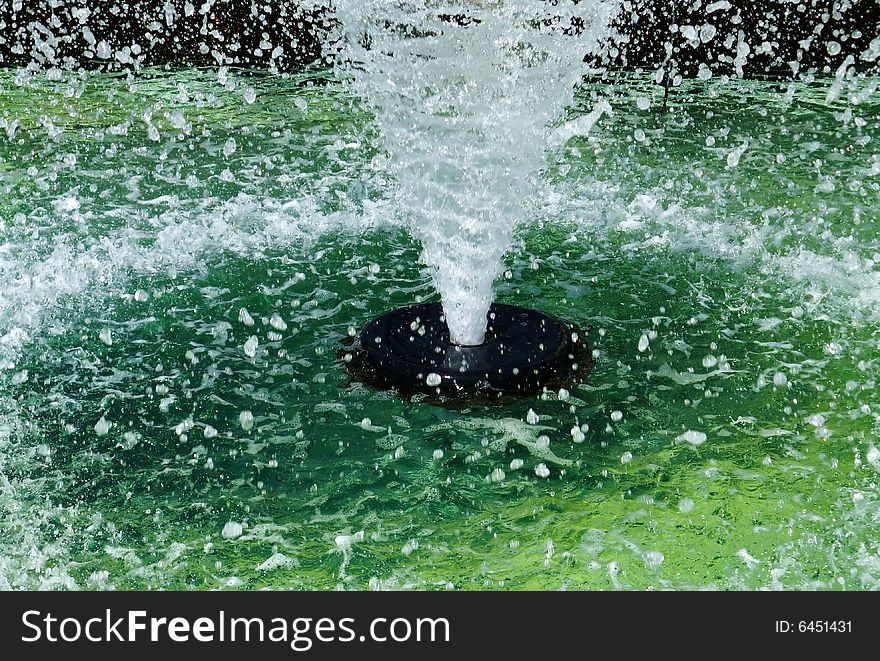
(181, 255)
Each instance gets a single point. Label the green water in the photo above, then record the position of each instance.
(729, 426)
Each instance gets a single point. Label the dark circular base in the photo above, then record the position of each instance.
(524, 352)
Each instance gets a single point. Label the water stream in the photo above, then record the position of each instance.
(467, 96)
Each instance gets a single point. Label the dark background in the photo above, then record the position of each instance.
(244, 33)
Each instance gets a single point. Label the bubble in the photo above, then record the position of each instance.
(232, 529)
(626, 457)
(250, 346)
(497, 475)
(653, 559)
(577, 435)
(106, 336)
(209, 432)
(643, 343)
(438, 454)
(689, 32)
(643, 103)
(779, 379)
(246, 419)
(707, 32)
(516, 464)
(346, 541)
(541, 470)
(695, 438)
(734, 155)
(685, 505)
(245, 317)
(250, 95)
(833, 48)
(532, 418)
(817, 419)
(229, 147)
(103, 426)
(433, 379)
(617, 416)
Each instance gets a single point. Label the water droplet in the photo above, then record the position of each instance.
(693, 437)
(532, 418)
(653, 559)
(734, 156)
(232, 529)
(102, 426)
(246, 419)
(245, 317)
(707, 32)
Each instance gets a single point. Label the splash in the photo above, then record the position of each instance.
(466, 95)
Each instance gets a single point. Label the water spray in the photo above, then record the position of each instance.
(467, 100)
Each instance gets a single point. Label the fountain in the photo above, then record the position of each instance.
(466, 95)
(184, 239)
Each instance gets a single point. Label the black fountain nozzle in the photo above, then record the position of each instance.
(524, 352)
